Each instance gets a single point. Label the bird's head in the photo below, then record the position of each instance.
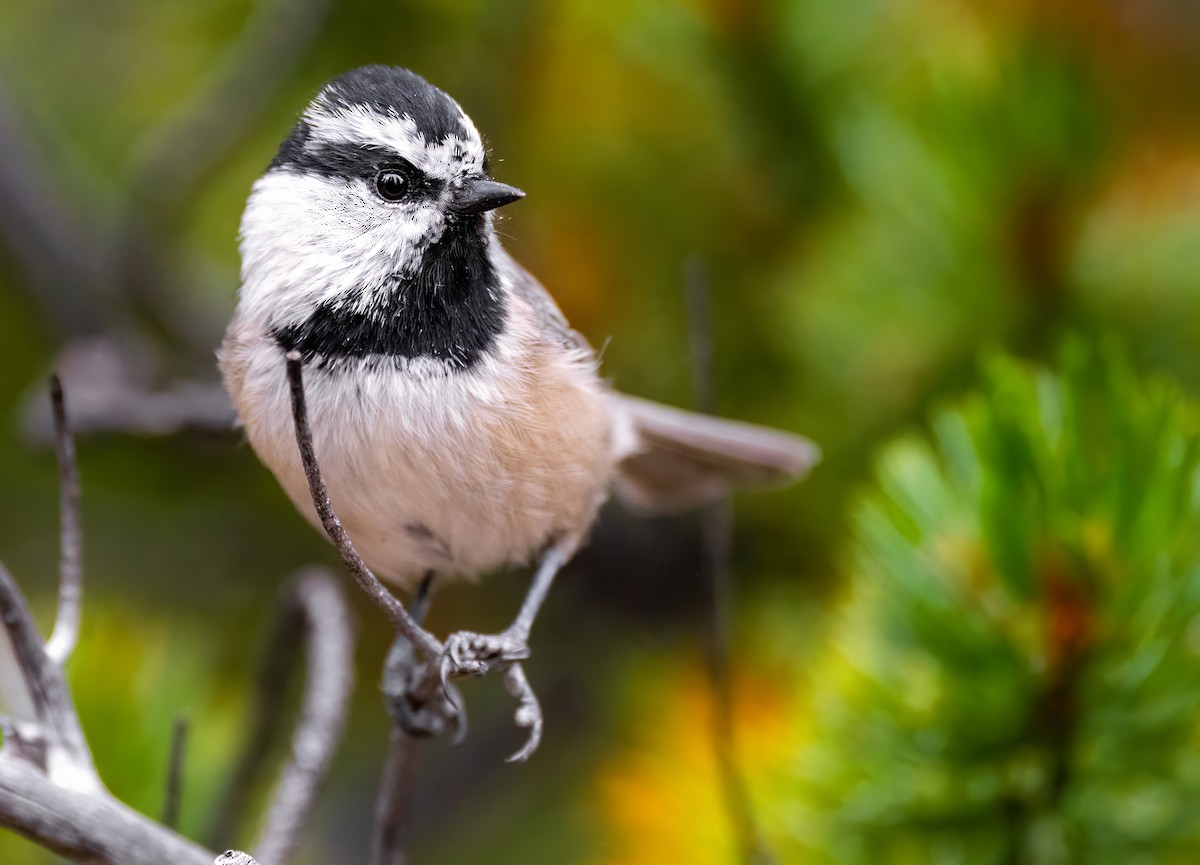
(380, 191)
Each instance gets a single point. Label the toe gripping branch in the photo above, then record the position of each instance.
(420, 668)
(424, 701)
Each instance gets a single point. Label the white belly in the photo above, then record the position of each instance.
(454, 473)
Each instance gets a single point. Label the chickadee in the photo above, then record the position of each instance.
(459, 421)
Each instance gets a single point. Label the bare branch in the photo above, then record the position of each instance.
(328, 685)
(70, 581)
(86, 827)
(49, 789)
(393, 805)
(113, 388)
(173, 796)
(425, 643)
(68, 759)
(183, 407)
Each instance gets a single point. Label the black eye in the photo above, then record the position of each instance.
(390, 185)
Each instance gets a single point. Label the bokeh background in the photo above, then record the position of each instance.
(957, 243)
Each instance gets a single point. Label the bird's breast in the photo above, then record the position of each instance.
(433, 469)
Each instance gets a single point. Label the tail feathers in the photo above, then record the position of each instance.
(685, 460)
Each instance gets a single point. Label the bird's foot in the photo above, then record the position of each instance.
(469, 654)
(416, 698)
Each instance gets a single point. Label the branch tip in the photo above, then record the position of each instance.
(65, 636)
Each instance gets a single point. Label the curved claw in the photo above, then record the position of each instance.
(528, 714)
(469, 654)
(454, 698)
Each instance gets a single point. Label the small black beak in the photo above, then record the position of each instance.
(478, 195)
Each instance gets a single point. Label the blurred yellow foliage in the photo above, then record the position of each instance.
(661, 796)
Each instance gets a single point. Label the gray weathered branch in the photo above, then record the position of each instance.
(389, 843)
(279, 658)
(113, 390)
(49, 789)
(328, 685)
(85, 827)
(312, 608)
(393, 804)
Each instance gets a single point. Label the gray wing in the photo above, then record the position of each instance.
(552, 323)
(685, 460)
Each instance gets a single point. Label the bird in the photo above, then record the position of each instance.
(461, 424)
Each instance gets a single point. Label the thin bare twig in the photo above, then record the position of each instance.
(328, 684)
(427, 645)
(114, 388)
(173, 794)
(49, 789)
(393, 805)
(717, 545)
(70, 581)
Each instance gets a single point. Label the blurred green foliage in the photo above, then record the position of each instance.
(880, 190)
(1012, 677)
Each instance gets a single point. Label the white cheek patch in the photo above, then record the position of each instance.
(358, 124)
(308, 239)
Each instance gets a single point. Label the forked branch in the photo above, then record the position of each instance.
(49, 789)
(60, 744)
